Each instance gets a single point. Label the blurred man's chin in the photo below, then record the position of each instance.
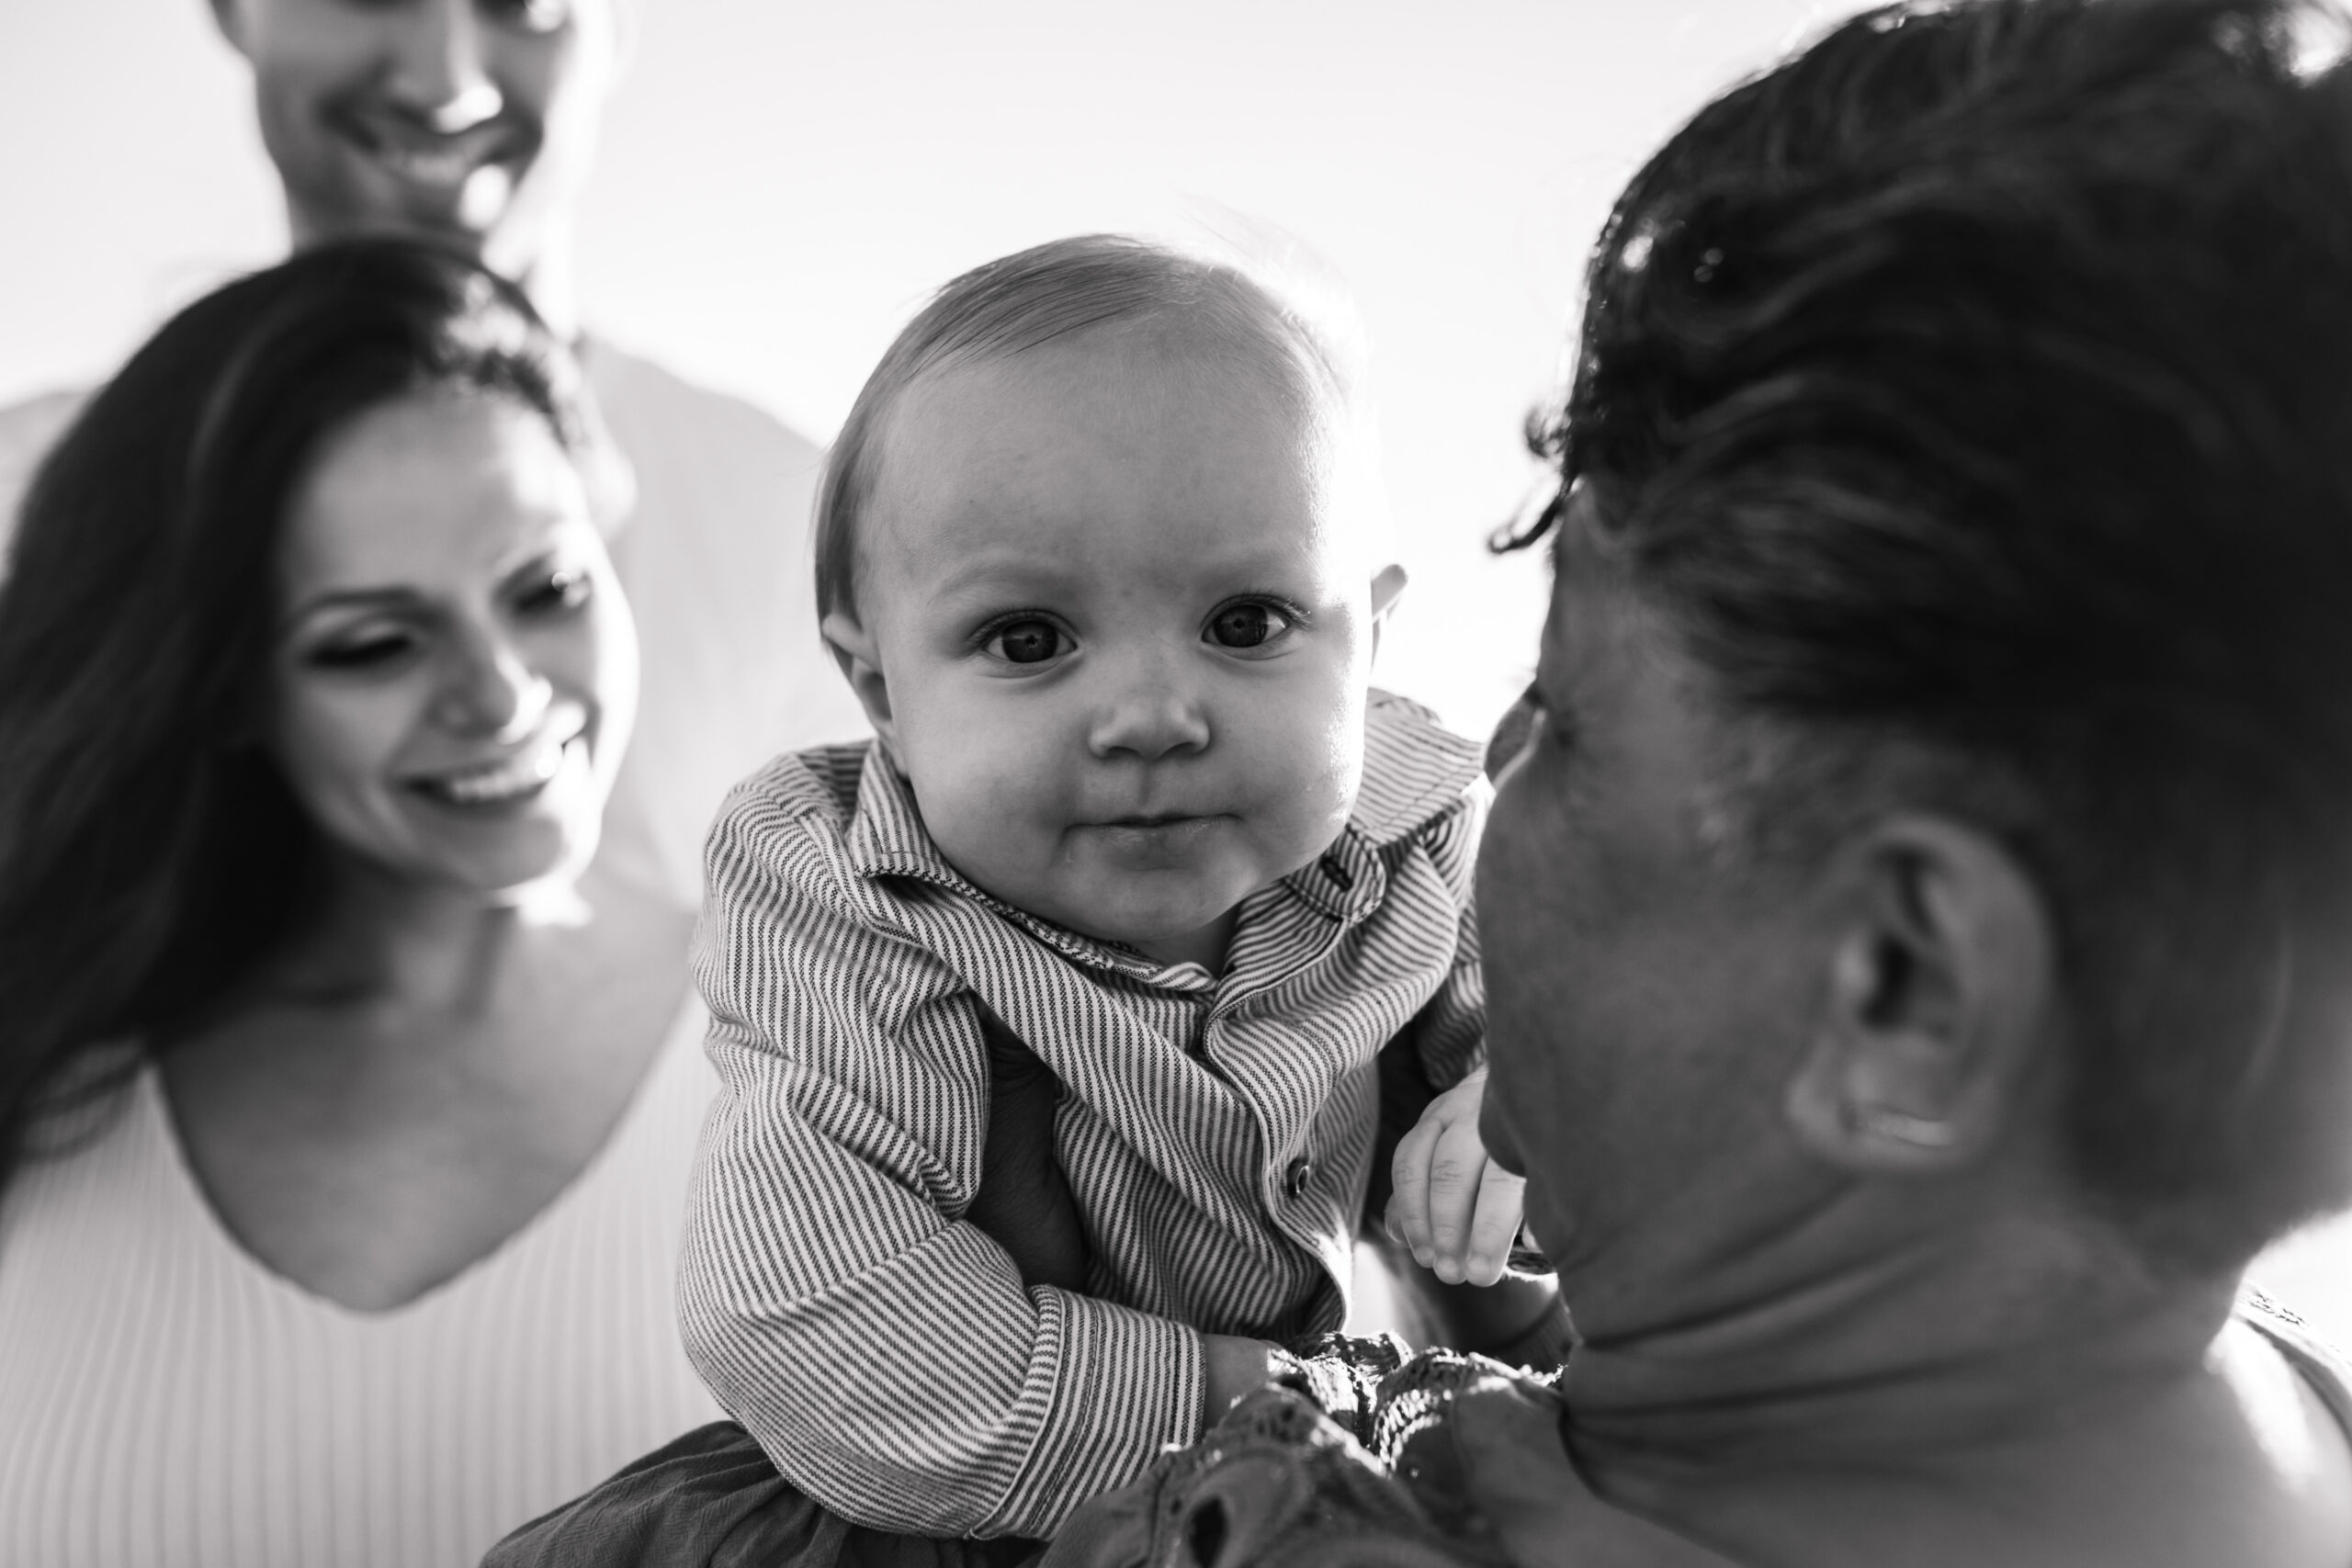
(349, 221)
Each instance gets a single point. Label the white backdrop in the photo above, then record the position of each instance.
(781, 183)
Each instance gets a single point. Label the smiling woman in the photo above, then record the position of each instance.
(345, 1112)
(456, 673)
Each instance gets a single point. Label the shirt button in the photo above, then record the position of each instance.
(1296, 1176)
(1338, 874)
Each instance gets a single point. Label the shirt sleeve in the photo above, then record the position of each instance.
(883, 1350)
(1450, 1032)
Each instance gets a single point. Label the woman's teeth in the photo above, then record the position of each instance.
(511, 780)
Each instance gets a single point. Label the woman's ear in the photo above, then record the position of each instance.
(855, 650)
(1936, 1006)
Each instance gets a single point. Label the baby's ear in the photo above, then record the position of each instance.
(853, 650)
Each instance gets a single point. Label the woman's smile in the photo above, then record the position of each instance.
(518, 778)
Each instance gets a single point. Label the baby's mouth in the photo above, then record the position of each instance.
(1156, 836)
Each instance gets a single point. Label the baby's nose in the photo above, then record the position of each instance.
(1148, 722)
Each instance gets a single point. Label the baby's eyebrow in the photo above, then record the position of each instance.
(986, 579)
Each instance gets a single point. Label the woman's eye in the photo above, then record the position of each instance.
(1247, 625)
(362, 652)
(557, 590)
(1027, 642)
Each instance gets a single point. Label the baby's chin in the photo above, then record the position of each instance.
(1144, 910)
(1145, 923)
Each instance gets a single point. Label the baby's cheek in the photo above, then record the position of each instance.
(984, 793)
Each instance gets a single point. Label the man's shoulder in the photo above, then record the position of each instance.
(28, 430)
(1415, 770)
(646, 403)
(38, 420)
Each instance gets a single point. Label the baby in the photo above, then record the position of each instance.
(1090, 553)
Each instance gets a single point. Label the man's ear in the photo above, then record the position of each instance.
(853, 650)
(1937, 1003)
(1387, 587)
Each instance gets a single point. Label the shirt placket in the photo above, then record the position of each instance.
(1344, 887)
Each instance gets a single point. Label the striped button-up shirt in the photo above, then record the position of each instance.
(1215, 1132)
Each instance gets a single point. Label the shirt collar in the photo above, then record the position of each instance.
(886, 838)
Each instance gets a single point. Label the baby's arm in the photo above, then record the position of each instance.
(1024, 1204)
(884, 1351)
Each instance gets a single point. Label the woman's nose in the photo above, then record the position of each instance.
(1150, 717)
(440, 68)
(488, 690)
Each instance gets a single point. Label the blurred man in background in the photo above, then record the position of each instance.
(474, 122)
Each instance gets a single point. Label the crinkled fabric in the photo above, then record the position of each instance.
(1448, 1461)
(1276, 1484)
(1302, 1473)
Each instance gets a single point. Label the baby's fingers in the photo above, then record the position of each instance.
(1500, 1208)
(1408, 1202)
(1456, 1169)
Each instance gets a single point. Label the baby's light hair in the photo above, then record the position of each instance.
(1054, 291)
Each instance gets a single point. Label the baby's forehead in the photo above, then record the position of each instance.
(1129, 396)
(1152, 360)
(1106, 454)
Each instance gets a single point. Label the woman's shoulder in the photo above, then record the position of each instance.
(100, 1123)
(100, 1201)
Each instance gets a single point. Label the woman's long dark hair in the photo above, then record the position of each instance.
(150, 855)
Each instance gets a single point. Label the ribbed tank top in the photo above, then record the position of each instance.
(165, 1399)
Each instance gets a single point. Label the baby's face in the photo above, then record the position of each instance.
(1121, 642)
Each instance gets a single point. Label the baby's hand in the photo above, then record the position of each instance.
(1454, 1208)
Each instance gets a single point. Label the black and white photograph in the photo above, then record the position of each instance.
(1261, 784)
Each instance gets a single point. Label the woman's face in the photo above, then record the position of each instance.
(1645, 1004)
(455, 667)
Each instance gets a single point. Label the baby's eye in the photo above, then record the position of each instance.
(1027, 642)
(1247, 624)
